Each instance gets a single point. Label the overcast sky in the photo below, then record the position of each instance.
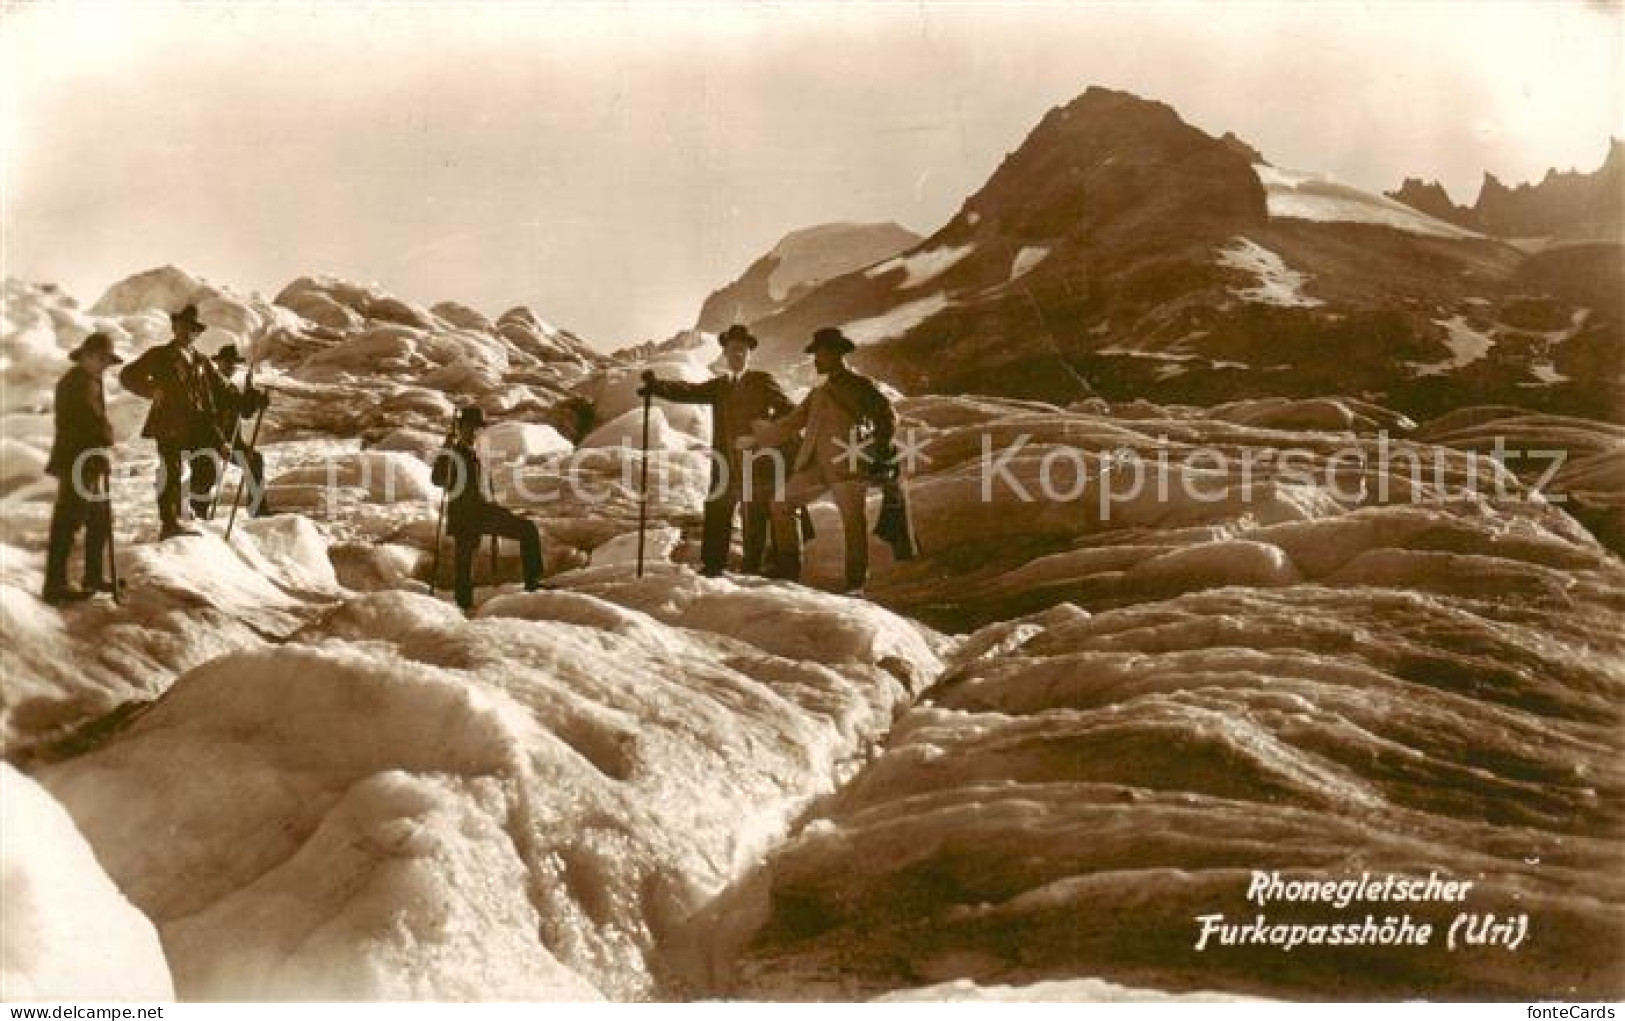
(609, 165)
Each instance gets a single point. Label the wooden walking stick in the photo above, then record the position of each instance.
(440, 522)
(112, 549)
(496, 540)
(643, 481)
(439, 530)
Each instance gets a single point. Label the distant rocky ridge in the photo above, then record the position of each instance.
(1564, 205)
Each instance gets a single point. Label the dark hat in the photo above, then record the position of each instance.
(229, 356)
(739, 333)
(472, 415)
(187, 315)
(96, 343)
(831, 337)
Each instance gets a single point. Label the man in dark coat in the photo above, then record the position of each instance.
(80, 463)
(237, 404)
(742, 478)
(185, 419)
(470, 512)
(846, 426)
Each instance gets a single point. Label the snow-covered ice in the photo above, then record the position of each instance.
(666, 429)
(187, 602)
(408, 801)
(317, 781)
(513, 441)
(66, 932)
(1368, 672)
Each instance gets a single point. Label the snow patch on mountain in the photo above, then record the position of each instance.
(1467, 345)
(1277, 284)
(922, 267)
(1301, 195)
(897, 321)
(818, 253)
(1026, 260)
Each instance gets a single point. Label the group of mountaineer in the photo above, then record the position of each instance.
(837, 440)
(196, 408)
(771, 457)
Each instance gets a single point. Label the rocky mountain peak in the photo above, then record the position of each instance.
(1109, 160)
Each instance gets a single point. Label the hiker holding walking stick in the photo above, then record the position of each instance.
(80, 462)
(743, 477)
(235, 405)
(439, 533)
(182, 384)
(470, 514)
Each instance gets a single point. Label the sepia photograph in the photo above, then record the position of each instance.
(795, 502)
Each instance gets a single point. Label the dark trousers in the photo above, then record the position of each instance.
(199, 489)
(849, 496)
(73, 511)
(717, 539)
(252, 465)
(500, 521)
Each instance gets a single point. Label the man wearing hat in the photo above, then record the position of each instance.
(79, 462)
(471, 514)
(846, 426)
(238, 403)
(741, 478)
(185, 419)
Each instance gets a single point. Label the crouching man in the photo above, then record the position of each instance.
(79, 463)
(846, 426)
(472, 515)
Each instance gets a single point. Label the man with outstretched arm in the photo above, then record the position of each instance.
(742, 478)
(471, 514)
(80, 463)
(236, 405)
(182, 384)
(846, 426)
